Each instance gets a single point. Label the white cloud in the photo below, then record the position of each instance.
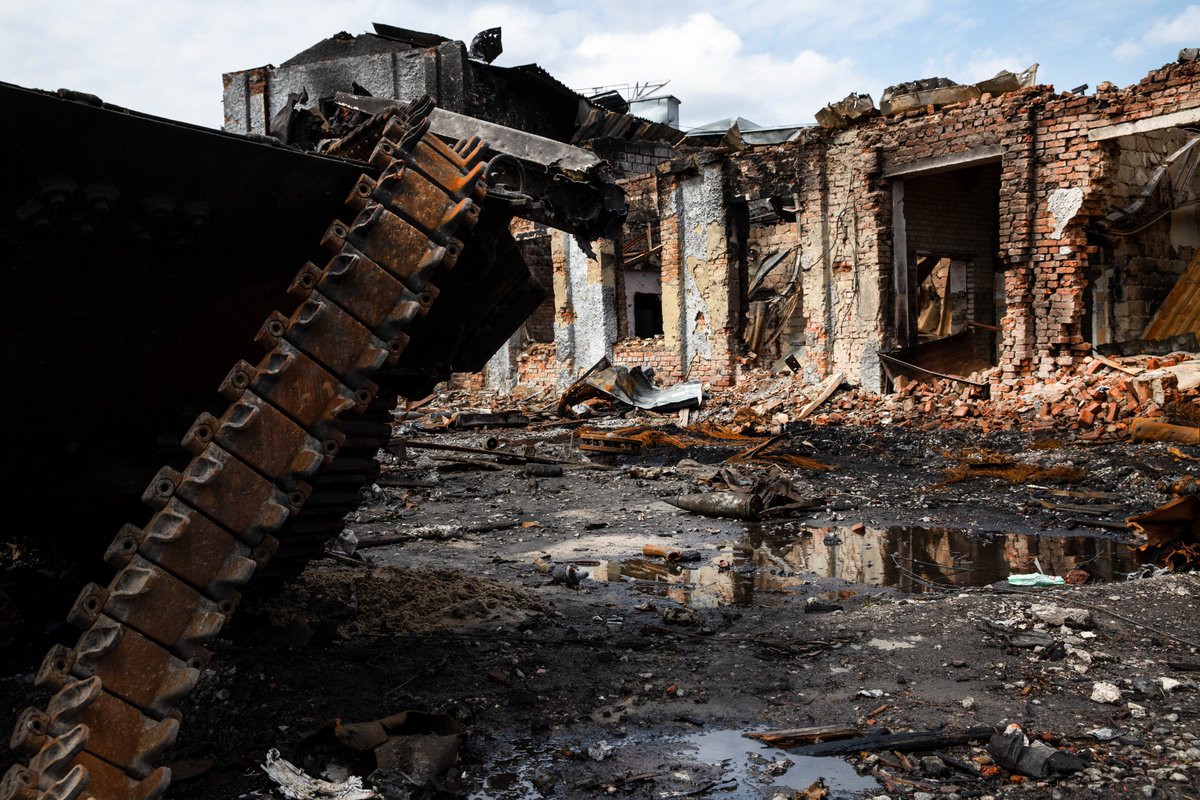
(712, 72)
(1180, 30)
(769, 62)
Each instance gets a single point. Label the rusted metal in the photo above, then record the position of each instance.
(299, 386)
(1171, 534)
(118, 732)
(262, 436)
(659, 551)
(597, 442)
(1144, 429)
(224, 489)
(520, 458)
(156, 604)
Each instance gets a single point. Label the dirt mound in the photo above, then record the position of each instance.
(396, 600)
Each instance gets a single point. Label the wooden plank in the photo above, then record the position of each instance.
(827, 389)
(788, 737)
(1179, 313)
(1108, 362)
(903, 742)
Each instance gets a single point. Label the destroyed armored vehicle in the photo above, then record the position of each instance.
(174, 337)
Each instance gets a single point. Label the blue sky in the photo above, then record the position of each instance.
(772, 62)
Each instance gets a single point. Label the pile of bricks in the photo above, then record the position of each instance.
(1091, 398)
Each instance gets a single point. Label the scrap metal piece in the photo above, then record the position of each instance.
(632, 386)
(598, 442)
(635, 387)
(1145, 429)
(1171, 532)
(510, 419)
(486, 46)
(728, 505)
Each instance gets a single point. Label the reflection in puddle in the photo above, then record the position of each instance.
(904, 559)
(747, 761)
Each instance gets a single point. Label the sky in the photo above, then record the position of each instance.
(774, 63)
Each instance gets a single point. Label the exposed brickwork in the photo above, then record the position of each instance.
(537, 367)
(629, 159)
(650, 353)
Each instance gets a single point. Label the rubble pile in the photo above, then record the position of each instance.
(1101, 396)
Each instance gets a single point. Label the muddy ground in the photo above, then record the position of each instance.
(883, 609)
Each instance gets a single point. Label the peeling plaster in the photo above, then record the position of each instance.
(586, 334)
(1063, 205)
(702, 198)
(869, 371)
(500, 374)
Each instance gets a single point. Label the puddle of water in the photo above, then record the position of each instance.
(746, 760)
(743, 768)
(900, 558)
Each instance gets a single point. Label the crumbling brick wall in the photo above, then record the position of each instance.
(1056, 164)
(843, 256)
(537, 368)
(1052, 184)
(652, 353)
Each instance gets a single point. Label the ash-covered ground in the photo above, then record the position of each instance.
(882, 608)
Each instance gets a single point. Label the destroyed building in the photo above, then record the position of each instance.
(1003, 227)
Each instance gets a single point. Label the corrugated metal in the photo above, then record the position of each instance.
(1180, 312)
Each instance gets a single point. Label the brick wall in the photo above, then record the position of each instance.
(1048, 168)
(537, 367)
(630, 159)
(650, 353)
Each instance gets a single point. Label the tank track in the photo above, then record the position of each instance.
(301, 431)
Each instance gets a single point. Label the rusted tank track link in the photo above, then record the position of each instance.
(294, 435)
